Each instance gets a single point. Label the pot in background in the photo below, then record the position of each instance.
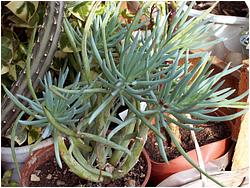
(212, 151)
(22, 153)
(230, 27)
(227, 27)
(44, 154)
(187, 176)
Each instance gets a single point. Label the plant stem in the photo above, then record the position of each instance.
(198, 152)
(175, 129)
(84, 40)
(129, 129)
(136, 149)
(28, 75)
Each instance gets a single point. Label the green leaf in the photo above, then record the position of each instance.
(74, 166)
(4, 69)
(20, 136)
(160, 141)
(17, 102)
(33, 20)
(6, 50)
(13, 72)
(101, 108)
(23, 9)
(7, 174)
(82, 9)
(65, 44)
(33, 134)
(56, 148)
(18, 22)
(12, 144)
(120, 126)
(186, 156)
(84, 163)
(6, 180)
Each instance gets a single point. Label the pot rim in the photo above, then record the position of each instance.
(51, 147)
(149, 167)
(24, 149)
(178, 158)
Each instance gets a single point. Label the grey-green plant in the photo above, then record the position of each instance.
(142, 66)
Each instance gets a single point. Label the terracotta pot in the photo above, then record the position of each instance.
(22, 154)
(161, 171)
(33, 162)
(41, 156)
(182, 178)
(149, 170)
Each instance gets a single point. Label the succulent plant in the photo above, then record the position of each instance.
(67, 109)
(141, 66)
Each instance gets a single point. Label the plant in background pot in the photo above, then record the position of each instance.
(198, 94)
(121, 67)
(207, 111)
(214, 140)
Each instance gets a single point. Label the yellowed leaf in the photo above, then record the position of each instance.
(21, 10)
